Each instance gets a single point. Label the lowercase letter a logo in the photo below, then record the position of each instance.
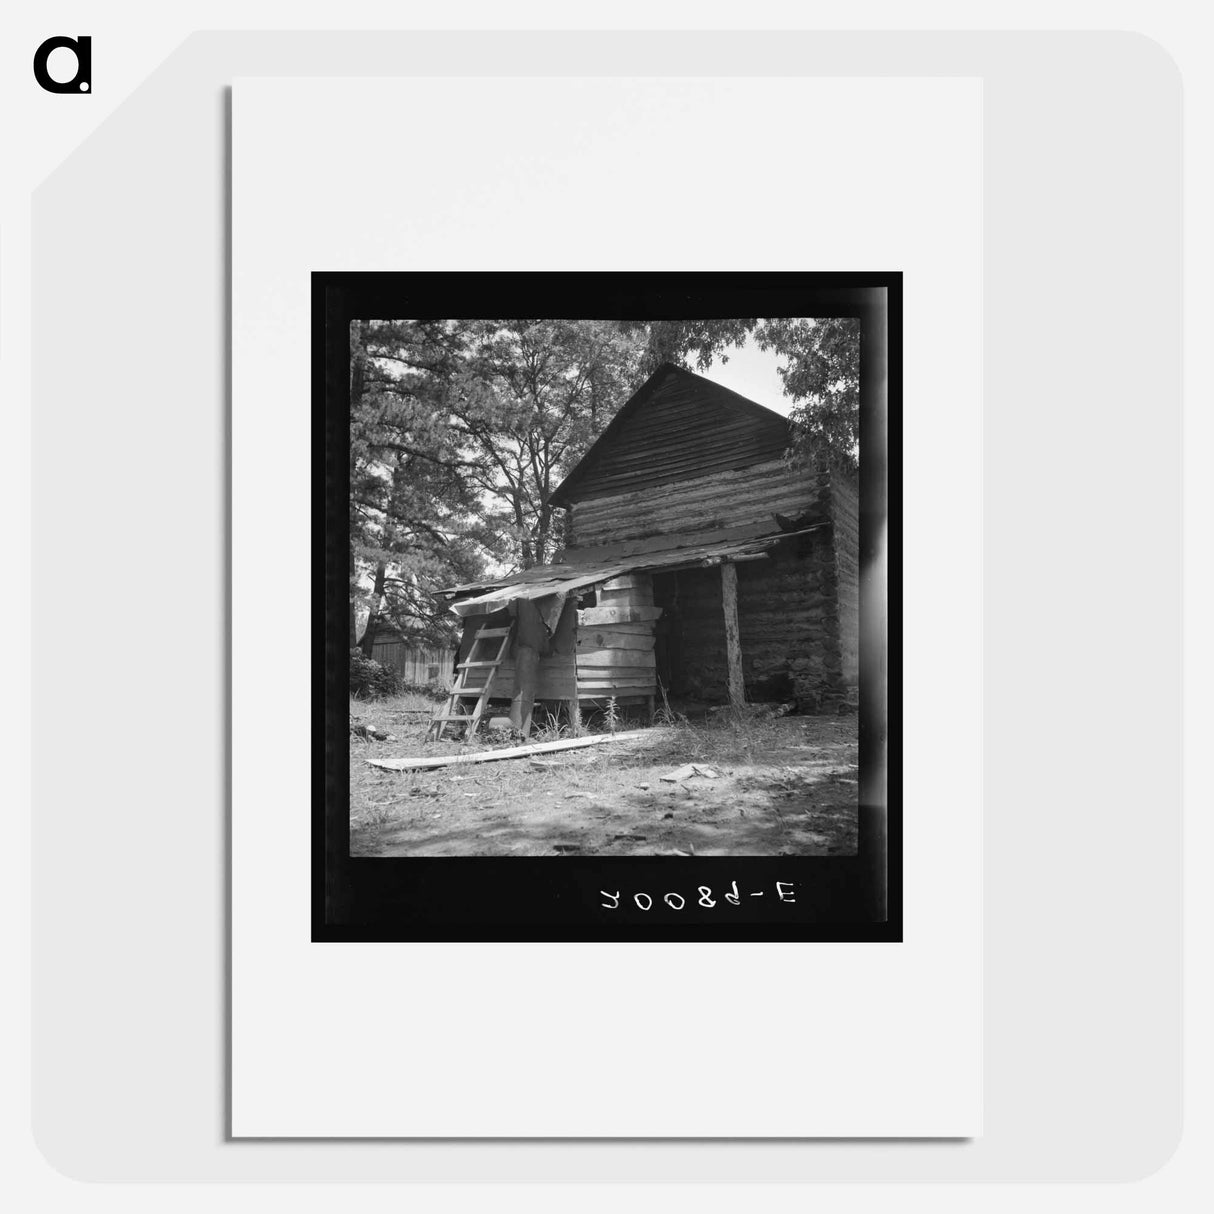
(82, 81)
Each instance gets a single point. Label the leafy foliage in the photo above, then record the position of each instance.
(821, 372)
(532, 396)
(413, 515)
(823, 377)
(693, 343)
(369, 680)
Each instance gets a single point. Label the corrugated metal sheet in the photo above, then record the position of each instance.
(678, 426)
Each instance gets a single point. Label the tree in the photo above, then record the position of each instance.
(684, 342)
(533, 396)
(823, 378)
(821, 375)
(410, 496)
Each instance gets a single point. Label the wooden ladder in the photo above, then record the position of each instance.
(461, 691)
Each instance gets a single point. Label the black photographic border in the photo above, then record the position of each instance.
(559, 899)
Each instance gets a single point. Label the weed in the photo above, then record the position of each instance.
(551, 730)
(667, 715)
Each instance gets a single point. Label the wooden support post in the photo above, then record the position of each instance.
(575, 708)
(733, 646)
(526, 666)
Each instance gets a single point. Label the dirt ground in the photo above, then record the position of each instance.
(785, 786)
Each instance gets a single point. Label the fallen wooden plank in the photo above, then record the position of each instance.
(513, 752)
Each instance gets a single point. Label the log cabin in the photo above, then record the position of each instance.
(698, 562)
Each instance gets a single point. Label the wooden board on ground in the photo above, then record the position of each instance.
(513, 752)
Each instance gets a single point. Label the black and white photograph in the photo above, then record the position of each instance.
(625, 492)
(603, 588)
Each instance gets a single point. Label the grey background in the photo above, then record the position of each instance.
(1082, 616)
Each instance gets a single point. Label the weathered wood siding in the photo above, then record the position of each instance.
(615, 641)
(554, 678)
(845, 514)
(722, 501)
(610, 654)
(417, 665)
(680, 427)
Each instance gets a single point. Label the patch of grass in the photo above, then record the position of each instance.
(666, 715)
(551, 730)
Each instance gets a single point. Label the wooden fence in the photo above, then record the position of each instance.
(416, 664)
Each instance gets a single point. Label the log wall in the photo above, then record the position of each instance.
(798, 607)
(676, 428)
(724, 500)
(788, 624)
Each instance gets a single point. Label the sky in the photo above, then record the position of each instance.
(752, 373)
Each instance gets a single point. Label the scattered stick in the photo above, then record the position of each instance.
(515, 752)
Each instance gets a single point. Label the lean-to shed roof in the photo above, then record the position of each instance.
(545, 580)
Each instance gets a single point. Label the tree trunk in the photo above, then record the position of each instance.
(377, 606)
(526, 550)
(543, 550)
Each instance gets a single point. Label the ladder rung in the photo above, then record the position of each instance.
(457, 717)
(465, 665)
(492, 632)
(470, 691)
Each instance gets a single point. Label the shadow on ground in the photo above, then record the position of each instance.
(784, 786)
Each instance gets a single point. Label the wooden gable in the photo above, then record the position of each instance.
(678, 426)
